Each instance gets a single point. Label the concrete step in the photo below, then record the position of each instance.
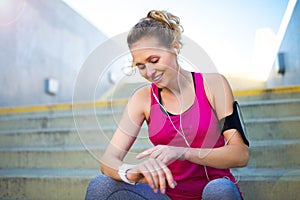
(50, 157)
(49, 137)
(71, 107)
(124, 90)
(60, 120)
(273, 128)
(104, 116)
(45, 184)
(275, 184)
(257, 129)
(255, 183)
(274, 154)
(59, 149)
(59, 157)
(288, 92)
(53, 137)
(271, 108)
(264, 154)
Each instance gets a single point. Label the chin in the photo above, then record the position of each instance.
(160, 85)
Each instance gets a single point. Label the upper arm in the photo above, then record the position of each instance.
(221, 98)
(129, 125)
(219, 94)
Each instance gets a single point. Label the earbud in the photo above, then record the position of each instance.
(176, 51)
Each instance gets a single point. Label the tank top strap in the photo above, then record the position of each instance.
(199, 84)
(154, 90)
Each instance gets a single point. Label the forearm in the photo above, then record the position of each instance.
(229, 156)
(110, 167)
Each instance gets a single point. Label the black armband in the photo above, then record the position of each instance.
(235, 121)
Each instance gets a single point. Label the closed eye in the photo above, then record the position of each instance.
(141, 66)
(151, 59)
(154, 60)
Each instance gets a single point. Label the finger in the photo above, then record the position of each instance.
(159, 175)
(151, 173)
(145, 153)
(166, 158)
(155, 154)
(155, 174)
(158, 152)
(162, 158)
(168, 174)
(162, 178)
(146, 173)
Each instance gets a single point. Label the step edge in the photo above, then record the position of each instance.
(272, 119)
(269, 102)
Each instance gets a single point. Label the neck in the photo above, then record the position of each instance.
(180, 97)
(182, 81)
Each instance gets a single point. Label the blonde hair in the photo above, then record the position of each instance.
(163, 25)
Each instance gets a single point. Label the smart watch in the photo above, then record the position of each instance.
(122, 173)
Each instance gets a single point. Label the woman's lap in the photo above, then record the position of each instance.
(106, 188)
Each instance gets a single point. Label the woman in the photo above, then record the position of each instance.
(192, 121)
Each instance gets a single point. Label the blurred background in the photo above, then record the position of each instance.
(44, 44)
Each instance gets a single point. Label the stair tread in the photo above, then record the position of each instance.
(93, 111)
(62, 129)
(268, 173)
(258, 143)
(110, 127)
(48, 173)
(254, 143)
(245, 173)
(60, 114)
(269, 102)
(51, 148)
(272, 119)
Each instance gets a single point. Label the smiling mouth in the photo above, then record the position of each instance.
(157, 78)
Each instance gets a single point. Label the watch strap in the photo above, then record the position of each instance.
(122, 173)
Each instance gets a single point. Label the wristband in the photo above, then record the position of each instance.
(122, 173)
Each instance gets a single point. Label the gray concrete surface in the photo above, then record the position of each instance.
(48, 40)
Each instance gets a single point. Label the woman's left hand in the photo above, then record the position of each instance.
(164, 153)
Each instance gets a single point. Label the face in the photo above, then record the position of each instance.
(155, 63)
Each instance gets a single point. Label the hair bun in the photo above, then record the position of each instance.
(160, 24)
(172, 21)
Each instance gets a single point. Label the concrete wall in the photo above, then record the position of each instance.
(290, 47)
(48, 40)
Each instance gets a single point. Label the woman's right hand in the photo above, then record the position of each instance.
(153, 172)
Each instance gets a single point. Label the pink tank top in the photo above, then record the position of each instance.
(200, 126)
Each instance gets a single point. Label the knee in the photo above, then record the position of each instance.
(221, 188)
(98, 181)
(97, 186)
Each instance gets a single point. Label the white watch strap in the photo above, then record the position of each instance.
(122, 173)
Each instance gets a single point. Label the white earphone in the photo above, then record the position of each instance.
(176, 51)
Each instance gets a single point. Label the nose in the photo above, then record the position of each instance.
(150, 70)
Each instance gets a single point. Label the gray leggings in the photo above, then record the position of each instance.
(104, 188)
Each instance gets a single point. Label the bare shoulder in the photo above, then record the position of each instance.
(215, 81)
(140, 100)
(213, 78)
(219, 92)
(142, 94)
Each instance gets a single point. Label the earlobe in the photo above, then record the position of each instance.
(176, 47)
